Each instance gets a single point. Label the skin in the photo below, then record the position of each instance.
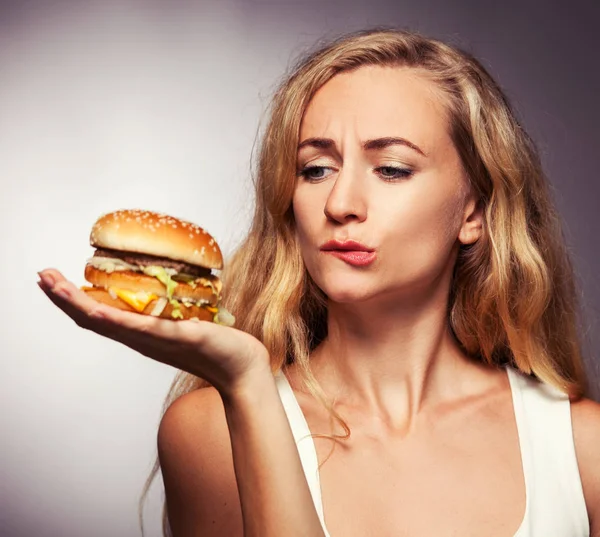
(434, 447)
(396, 373)
(397, 306)
(243, 419)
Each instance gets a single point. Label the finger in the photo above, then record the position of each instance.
(101, 324)
(104, 319)
(50, 277)
(66, 295)
(86, 312)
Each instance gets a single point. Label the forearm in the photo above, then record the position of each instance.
(274, 494)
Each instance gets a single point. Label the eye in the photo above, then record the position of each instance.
(391, 173)
(314, 173)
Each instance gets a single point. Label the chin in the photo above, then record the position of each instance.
(343, 290)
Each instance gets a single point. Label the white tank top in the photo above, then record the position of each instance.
(555, 505)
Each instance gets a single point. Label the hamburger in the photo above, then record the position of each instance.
(155, 264)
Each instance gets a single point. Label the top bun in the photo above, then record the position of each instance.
(156, 234)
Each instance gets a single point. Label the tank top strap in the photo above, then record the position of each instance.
(304, 442)
(555, 504)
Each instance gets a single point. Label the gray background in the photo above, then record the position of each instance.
(156, 105)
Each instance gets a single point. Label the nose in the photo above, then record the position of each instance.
(346, 200)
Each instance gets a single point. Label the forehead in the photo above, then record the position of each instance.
(375, 101)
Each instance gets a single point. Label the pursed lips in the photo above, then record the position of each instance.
(351, 252)
(347, 245)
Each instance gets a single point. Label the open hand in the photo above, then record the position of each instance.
(223, 356)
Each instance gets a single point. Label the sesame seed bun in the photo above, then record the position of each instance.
(157, 234)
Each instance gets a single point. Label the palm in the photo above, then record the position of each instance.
(221, 355)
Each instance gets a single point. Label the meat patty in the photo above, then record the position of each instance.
(144, 260)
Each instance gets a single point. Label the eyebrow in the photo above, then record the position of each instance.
(369, 145)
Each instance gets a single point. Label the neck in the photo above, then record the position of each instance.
(393, 359)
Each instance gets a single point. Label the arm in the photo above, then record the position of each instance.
(586, 431)
(273, 492)
(212, 446)
(197, 467)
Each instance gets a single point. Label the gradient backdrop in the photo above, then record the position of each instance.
(156, 105)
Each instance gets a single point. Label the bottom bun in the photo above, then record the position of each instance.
(188, 312)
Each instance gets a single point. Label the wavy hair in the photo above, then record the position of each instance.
(513, 298)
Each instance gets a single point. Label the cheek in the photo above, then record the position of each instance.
(420, 237)
(301, 216)
(308, 205)
(307, 216)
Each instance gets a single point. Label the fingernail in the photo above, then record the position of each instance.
(47, 279)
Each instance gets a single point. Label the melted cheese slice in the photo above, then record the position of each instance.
(137, 300)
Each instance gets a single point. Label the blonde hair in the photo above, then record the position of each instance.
(513, 298)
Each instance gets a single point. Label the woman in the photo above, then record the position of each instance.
(406, 276)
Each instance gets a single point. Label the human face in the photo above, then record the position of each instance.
(408, 201)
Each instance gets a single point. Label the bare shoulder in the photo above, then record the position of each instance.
(197, 467)
(585, 414)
